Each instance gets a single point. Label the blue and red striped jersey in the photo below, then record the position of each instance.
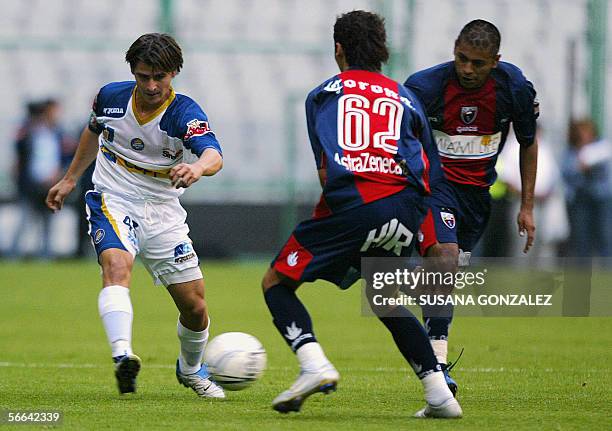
(372, 137)
(470, 126)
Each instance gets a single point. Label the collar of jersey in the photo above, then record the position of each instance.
(147, 118)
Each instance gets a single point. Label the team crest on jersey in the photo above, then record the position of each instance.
(196, 128)
(448, 219)
(469, 113)
(137, 144)
(99, 236)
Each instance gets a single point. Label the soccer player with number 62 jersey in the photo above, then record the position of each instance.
(374, 153)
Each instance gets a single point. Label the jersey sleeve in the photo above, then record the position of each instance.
(110, 102)
(431, 151)
(413, 84)
(429, 144)
(525, 112)
(94, 125)
(195, 130)
(422, 131)
(428, 85)
(317, 148)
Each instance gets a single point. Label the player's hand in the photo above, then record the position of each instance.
(185, 174)
(526, 225)
(57, 194)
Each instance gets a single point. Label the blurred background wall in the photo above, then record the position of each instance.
(250, 64)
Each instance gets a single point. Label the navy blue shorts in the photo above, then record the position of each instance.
(457, 213)
(327, 248)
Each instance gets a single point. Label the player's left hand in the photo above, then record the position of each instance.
(526, 225)
(185, 174)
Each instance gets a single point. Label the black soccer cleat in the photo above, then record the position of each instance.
(127, 368)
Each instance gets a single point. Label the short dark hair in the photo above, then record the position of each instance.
(364, 39)
(35, 108)
(480, 34)
(158, 50)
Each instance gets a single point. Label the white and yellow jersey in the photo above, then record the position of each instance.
(136, 153)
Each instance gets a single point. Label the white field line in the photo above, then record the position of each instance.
(293, 368)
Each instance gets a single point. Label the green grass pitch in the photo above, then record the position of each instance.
(516, 373)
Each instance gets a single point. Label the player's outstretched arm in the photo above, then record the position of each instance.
(185, 174)
(528, 165)
(85, 154)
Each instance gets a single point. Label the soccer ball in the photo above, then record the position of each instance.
(235, 360)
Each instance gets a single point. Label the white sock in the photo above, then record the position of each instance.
(115, 309)
(440, 348)
(193, 344)
(311, 357)
(436, 389)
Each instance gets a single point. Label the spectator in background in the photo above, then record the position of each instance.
(588, 183)
(41, 149)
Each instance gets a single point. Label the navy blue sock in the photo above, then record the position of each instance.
(412, 341)
(290, 316)
(437, 320)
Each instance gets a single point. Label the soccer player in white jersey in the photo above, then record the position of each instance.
(149, 145)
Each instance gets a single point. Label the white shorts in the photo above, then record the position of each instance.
(154, 230)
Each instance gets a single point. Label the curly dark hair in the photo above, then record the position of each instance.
(158, 50)
(480, 34)
(364, 39)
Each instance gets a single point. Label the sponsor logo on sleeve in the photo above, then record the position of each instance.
(93, 120)
(113, 110)
(196, 128)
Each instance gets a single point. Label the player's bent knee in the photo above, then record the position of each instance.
(445, 256)
(188, 296)
(196, 314)
(272, 277)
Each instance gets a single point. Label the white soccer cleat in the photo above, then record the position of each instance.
(449, 409)
(200, 382)
(307, 383)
